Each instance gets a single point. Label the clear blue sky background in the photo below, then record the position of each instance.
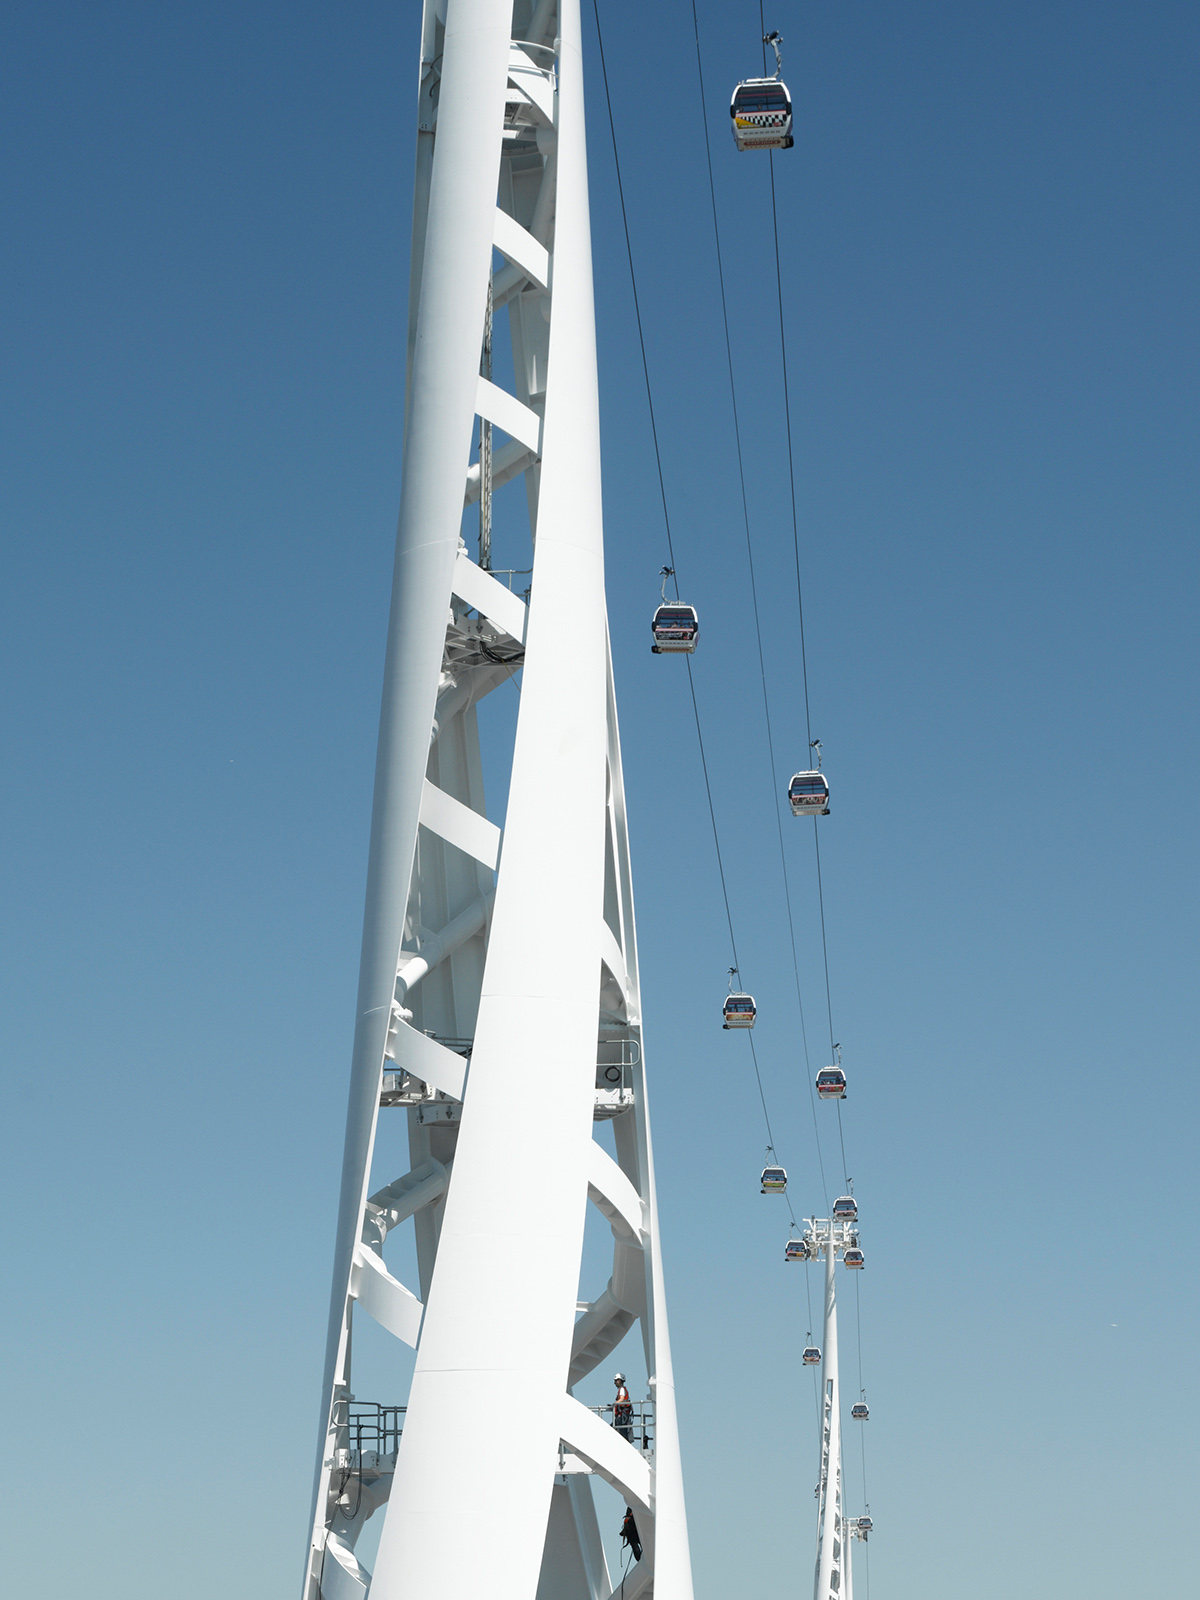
(990, 261)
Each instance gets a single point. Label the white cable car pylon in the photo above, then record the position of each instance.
(514, 950)
(831, 1579)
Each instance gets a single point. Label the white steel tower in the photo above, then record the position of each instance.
(498, 1007)
(831, 1580)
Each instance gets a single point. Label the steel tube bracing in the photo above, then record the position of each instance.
(829, 1503)
(833, 1555)
(499, 967)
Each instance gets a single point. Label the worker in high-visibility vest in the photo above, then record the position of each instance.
(623, 1409)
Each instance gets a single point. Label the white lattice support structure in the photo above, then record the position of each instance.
(498, 1005)
(848, 1536)
(831, 1578)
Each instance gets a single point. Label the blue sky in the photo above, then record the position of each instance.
(989, 230)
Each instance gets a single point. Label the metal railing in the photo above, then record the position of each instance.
(639, 1429)
(374, 1427)
(618, 1053)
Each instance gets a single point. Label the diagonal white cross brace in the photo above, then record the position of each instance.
(515, 978)
(459, 825)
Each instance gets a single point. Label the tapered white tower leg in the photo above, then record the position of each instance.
(512, 1236)
(829, 1516)
(847, 1562)
(515, 950)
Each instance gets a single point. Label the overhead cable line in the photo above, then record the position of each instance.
(762, 669)
(671, 551)
(637, 311)
(861, 1391)
(800, 608)
(787, 407)
(787, 413)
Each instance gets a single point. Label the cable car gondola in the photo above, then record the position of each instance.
(831, 1083)
(812, 1356)
(774, 1180)
(740, 1010)
(864, 1527)
(855, 1259)
(796, 1250)
(861, 1412)
(808, 795)
(761, 108)
(845, 1209)
(675, 627)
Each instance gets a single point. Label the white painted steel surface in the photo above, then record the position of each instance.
(831, 1575)
(514, 951)
(847, 1559)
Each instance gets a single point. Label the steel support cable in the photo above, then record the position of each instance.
(762, 669)
(637, 309)
(712, 816)
(662, 489)
(791, 460)
(842, 1142)
(862, 1430)
(787, 409)
(808, 1300)
(808, 727)
(787, 412)
(767, 1120)
(824, 945)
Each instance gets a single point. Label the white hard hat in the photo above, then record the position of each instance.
(619, 1377)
